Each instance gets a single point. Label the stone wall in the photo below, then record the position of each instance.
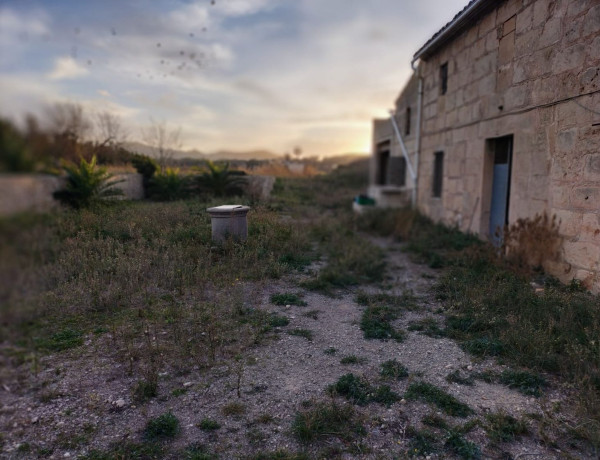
(33, 192)
(529, 69)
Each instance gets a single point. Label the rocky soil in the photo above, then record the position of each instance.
(81, 399)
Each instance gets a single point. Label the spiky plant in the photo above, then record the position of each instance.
(219, 180)
(87, 184)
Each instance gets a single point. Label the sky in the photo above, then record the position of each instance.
(230, 74)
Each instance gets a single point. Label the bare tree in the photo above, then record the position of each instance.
(109, 130)
(163, 140)
(68, 120)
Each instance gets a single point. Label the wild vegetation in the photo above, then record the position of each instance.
(146, 281)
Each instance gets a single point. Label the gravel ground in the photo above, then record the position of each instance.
(88, 404)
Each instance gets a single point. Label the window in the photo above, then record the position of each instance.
(444, 78)
(407, 125)
(438, 173)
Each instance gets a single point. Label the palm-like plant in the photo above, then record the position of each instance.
(220, 180)
(87, 184)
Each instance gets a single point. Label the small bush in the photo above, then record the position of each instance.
(234, 409)
(435, 421)
(352, 359)
(327, 420)
(168, 185)
(503, 427)
(353, 388)
(392, 369)
(197, 451)
(483, 346)
(422, 443)
(62, 340)
(161, 428)
(462, 448)
(288, 299)
(376, 324)
(427, 326)
(384, 395)
(207, 424)
(330, 351)
(306, 333)
(525, 382)
(432, 394)
(145, 390)
(360, 392)
(276, 320)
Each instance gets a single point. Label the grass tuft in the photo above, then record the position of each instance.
(358, 391)
(433, 395)
(353, 359)
(207, 424)
(502, 427)
(392, 369)
(523, 381)
(288, 299)
(462, 448)
(306, 333)
(323, 420)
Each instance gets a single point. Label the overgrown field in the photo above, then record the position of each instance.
(146, 280)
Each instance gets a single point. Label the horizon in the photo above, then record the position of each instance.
(234, 75)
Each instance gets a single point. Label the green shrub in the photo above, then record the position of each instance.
(146, 166)
(87, 184)
(353, 388)
(376, 321)
(353, 359)
(394, 370)
(503, 427)
(62, 340)
(288, 299)
(168, 185)
(525, 382)
(219, 180)
(207, 424)
(359, 391)
(462, 448)
(432, 394)
(161, 428)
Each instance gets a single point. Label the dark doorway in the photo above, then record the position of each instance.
(383, 162)
(502, 151)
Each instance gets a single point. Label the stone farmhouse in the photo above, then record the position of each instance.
(499, 121)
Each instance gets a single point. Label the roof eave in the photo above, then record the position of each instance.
(472, 11)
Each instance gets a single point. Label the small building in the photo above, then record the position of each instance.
(501, 121)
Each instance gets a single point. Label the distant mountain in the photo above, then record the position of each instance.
(138, 147)
(244, 156)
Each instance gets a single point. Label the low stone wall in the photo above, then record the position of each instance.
(33, 192)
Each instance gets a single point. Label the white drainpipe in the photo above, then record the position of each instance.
(411, 171)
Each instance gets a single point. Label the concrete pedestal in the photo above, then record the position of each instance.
(229, 221)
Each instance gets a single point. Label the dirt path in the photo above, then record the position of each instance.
(89, 404)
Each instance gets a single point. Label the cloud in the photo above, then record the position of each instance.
(66, 68)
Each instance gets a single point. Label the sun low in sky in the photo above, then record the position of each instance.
(232, 74)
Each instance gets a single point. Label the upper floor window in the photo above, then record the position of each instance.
(444, 78)
(407, 125)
